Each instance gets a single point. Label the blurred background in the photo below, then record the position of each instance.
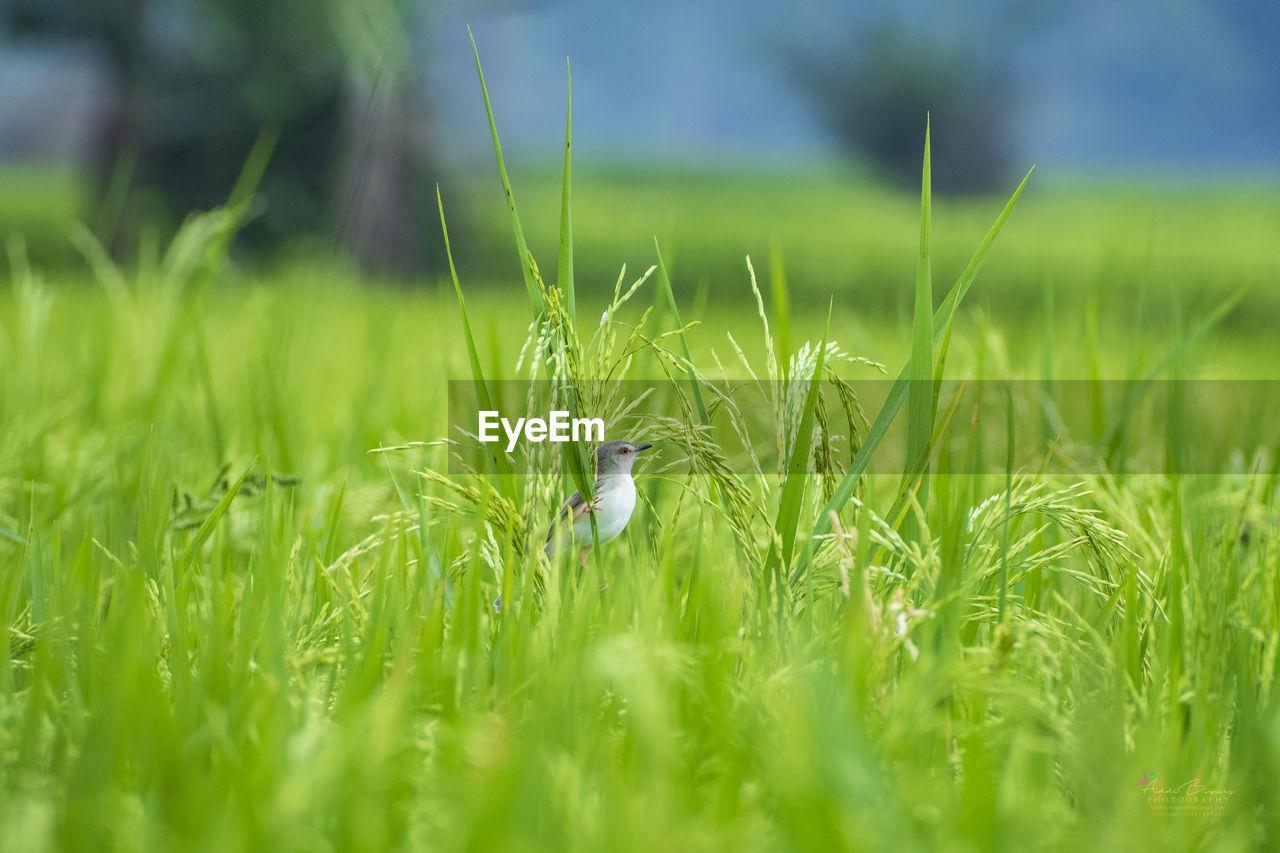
(723, 128)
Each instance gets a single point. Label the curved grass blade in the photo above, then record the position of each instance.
(1008, 500)
(522, 247)
(664, 283)
(576, 454)
(211, 521)
(781, 308)
(920, 465)
(564, 270)
(506, 484)
(1136, 390)
(920, 391)
(942, 320)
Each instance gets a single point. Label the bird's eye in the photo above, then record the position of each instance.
(625, 450)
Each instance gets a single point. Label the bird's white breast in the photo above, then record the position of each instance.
(616, 499)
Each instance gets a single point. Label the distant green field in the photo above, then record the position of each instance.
(838, 235)
(249, 602)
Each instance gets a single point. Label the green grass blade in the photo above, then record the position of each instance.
(564, 271)
(942, 319)
(781, 308)
(943, 316)
(1136, 390)
(255, 166)
(192, 551)
(920, 391)
(238, 202)
(1179, 560)
(1097, 407)
(506, 484)
(664, 284)
(1046, 363)
(915, 474)
(577, 455)
(522, 247)
(335, 516)
(204, 371)
(1008, 501)
(473, 356)
(113, 199)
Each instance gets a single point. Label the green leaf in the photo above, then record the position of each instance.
(1008, 501)
(206, 528)
(564, 270)
(335, 514)
(522, 247)
(920, 390)
(781, 307)
(664, 284)
(920, 465)
(577, 454)
(1135, 390)
(942, 319)
(506, 483)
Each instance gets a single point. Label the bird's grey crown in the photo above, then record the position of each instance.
(610, 458)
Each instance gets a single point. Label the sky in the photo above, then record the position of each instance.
(1095, 85)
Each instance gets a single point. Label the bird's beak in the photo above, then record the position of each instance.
(643, 447)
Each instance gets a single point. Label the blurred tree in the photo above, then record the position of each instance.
(380, 216)
(199, 80)
(875, 93)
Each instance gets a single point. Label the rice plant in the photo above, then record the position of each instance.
(787, 649)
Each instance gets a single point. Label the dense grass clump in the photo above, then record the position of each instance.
(233, 626)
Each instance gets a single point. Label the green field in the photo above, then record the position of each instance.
(232, 625)
(840, 235)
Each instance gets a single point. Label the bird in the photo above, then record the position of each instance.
(615, 498)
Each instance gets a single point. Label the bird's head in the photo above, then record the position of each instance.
(617, 457)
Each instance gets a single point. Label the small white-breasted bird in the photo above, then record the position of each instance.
(615, 498)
